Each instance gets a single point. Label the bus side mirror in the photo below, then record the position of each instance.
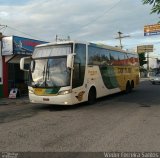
(24, 63)
(32, 65)
(70, 61)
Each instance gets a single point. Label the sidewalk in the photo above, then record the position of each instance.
(19, 100)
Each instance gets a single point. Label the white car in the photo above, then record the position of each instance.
(155, 79)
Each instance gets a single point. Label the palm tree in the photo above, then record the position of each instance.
(155, 7)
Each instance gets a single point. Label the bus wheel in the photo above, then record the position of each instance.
(132, 84)
(92, 96)
(128, 87)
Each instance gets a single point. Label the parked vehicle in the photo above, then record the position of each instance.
(155, 79)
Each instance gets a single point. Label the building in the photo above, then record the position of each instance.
(1, 81)
(12, 50)
(153, 63)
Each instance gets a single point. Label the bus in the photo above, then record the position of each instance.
(72, 72)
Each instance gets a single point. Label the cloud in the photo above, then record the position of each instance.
(4, 14)
(13, 2)
(89, 20)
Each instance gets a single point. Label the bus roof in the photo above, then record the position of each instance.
(88, 43)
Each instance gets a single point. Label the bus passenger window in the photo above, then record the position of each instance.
(79, 65)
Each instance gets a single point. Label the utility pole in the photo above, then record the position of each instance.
(120, 38)
(1, 35)
(3, 27)
(147, 61)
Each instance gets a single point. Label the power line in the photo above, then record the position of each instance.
(22, 32)
(3, 27)
(97, 18)
(141, 44)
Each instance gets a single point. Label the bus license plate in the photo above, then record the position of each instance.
(45, 99)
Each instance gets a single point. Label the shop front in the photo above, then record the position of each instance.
(13, 49)
(1, 81)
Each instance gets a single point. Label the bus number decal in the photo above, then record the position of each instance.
(124, 70)
(92, 72)
(80, 95)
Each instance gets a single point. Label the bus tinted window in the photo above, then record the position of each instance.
(105, 57)
(132, 59)
(98, 56)
(79, 65)
(93, 56)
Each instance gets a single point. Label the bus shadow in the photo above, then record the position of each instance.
(113, 97)
(99, 102)
(50, 107)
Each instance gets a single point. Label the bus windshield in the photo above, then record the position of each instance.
(50, 72)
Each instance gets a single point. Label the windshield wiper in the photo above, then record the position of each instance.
(48, 71)
(43, 73)
(35, 84)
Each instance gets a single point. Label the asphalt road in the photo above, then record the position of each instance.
(120, 122)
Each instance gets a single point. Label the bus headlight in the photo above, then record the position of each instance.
(65, 92)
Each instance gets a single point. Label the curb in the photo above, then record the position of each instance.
(8, 101)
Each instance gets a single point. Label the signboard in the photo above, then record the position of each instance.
(152, 30)
(7, 46)
(19, 45)
(24, 45)
(144, 48)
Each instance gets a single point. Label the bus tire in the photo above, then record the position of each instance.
(128, 88)
(132, 84)
(153, 82)
(92, 96)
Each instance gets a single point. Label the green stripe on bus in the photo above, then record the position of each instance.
(52, 91)
(109, 77)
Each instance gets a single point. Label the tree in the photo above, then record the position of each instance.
(142, 59)
(155, 5)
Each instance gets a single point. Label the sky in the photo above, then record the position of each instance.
(85, 20)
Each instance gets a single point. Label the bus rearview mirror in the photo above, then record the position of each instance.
(70, 61)
(32, 65)
(24, 63)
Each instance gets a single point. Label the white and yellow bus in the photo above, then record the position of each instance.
(71, 72)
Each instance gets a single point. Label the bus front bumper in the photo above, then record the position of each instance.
(56, 100)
